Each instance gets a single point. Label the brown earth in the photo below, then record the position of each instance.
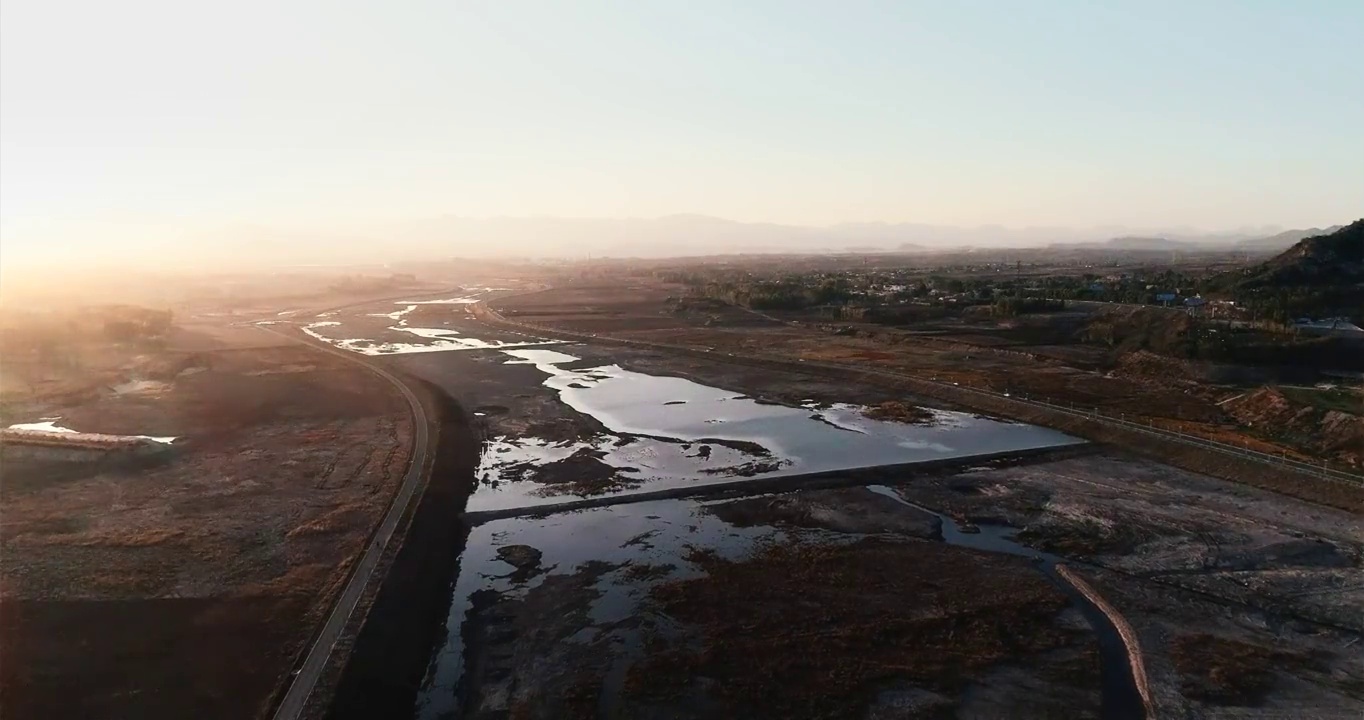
(186, 586)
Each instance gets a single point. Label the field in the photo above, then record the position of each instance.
(185, 584)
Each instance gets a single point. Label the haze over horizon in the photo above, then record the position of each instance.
(157, 130)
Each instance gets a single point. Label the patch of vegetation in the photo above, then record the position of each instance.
(895, 411)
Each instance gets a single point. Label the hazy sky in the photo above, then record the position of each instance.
(163, 118)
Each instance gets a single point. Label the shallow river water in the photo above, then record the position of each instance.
(669, 432)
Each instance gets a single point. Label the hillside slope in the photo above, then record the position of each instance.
(1321, 276)
(1333, 259)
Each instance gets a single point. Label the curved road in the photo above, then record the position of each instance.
(319, 654)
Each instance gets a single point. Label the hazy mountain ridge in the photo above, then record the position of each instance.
(680, 235)
(1151, 243)
(250, 246)
(1284, 239)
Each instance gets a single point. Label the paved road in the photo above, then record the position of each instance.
(319, 654)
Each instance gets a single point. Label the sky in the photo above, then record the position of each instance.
(161, 122)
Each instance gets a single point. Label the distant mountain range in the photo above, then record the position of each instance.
(683, 235)
(254, 247)
(1280, 241)
(1150, 243)
(1271, 243)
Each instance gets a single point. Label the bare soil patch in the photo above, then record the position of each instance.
(1291, 416)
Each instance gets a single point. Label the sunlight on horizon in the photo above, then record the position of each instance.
(159, 133)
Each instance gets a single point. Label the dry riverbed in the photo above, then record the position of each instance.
(846, 603)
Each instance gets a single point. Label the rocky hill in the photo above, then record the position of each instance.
(1320, 276)
(1333, 259)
